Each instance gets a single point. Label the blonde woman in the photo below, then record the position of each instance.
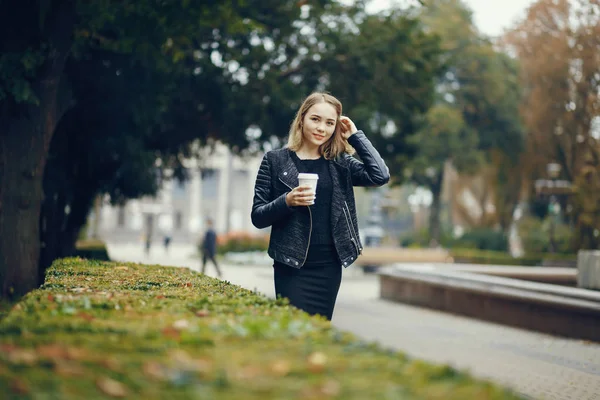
(314, 234)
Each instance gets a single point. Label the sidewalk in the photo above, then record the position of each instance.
(535, 365)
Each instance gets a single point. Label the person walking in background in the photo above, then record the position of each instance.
(167, 242)
(315, 232)
(148, 243)
(209, 247)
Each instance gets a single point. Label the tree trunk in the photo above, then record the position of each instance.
(60, 229)
(52, 220)
(434, 211)
(24, 142)
(22, 147)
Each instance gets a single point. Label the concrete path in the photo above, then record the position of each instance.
(536, 365)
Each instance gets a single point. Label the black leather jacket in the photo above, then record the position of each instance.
(291, 230)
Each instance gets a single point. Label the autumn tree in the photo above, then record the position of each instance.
(557, 45)
(479, 84)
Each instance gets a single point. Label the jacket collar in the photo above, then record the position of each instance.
(289, 173)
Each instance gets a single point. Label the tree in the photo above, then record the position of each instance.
(480, 84)
(39, 38)
(587, 198)
(386, 75)
(557, 47)
(148, 81)
(443, 137)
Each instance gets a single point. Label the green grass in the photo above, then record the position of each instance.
(107, 330)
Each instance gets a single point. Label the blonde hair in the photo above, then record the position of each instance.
(336, 145)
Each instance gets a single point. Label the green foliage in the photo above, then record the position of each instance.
(422, 238)
(16, 72)
(490, 257)
(478, 238)
(483, 239)
(444, 136)
(476, 119)
(97, 330)
(147, 86)
(92, 249)
(535, 236)
(384, 71)
(241, 242)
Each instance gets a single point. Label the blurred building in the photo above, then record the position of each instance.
(220, 187)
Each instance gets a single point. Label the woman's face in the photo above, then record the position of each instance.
(319, 124)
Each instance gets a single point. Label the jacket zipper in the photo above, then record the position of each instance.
(352, 225)
(309, 232)
(350, 229)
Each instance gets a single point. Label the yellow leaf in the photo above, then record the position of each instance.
(111, 387)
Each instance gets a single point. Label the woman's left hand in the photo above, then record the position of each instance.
(348, 127)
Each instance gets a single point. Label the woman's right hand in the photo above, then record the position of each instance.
(300, 196)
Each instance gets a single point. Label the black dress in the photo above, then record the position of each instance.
(314, 287)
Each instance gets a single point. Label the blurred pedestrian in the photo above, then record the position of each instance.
(148, 243)
(209, 247)
(314, 232)
(167, 242)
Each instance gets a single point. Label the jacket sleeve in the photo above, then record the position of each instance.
(265, 209)
(372, 171)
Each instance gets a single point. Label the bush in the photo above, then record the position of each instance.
(535, 236)
(483, 239)
(478, 238)
(241, 242)
(475, 256)
(98, 330)
(92, 249)
(421, 239)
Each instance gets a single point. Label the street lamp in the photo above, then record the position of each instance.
(553, 187)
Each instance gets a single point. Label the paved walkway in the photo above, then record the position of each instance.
(536, 365)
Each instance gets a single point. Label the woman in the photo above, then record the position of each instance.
(310, 242)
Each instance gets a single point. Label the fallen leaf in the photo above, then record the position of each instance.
(249, 372)
(281, 367)
(202, 313)
(22, 357)
(50, 297)
(86, 316)
(18, 386)
(171, 333)
(111, 363)
(52, 352)
(316, 362)
(154, 370)
(7, 348)
(76, 353)
(180, 357)
(331, 388)
(181, 324)
(111, 387)
(66, 368)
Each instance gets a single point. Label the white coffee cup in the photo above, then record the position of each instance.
(309, 180)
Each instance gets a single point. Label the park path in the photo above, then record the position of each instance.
(535, 365)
